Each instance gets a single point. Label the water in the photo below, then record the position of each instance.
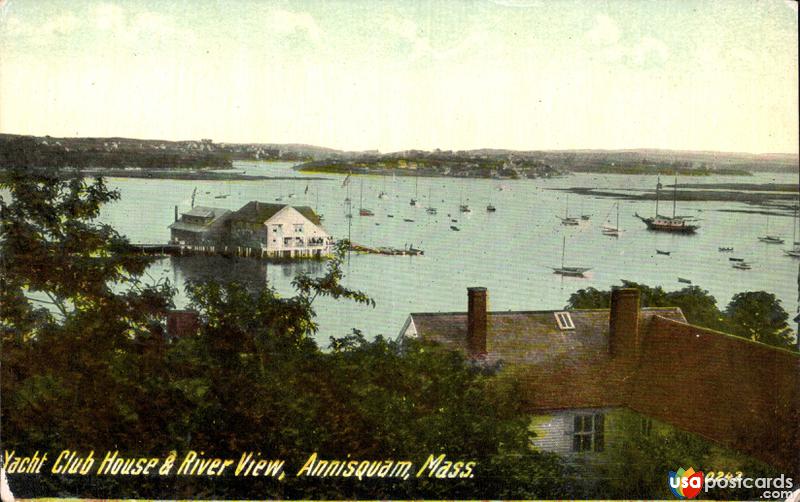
(510, 252)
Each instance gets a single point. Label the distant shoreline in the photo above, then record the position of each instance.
(182, 174)
(754, 194)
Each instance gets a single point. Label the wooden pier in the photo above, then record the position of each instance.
(410, 251)
(260, 253)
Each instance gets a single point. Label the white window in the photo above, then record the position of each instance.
(588, 433)
(564, 320)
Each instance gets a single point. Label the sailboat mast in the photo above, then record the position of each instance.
(658, 191)
(617, 216)
(674, 196)
(361, 197)
(563, 250)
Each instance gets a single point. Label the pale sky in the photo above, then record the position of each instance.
(522, 74)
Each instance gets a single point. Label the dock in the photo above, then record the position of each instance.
(388, 251)
(258, 253)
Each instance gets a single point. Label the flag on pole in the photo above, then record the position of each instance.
(346, 181)
(306, 188)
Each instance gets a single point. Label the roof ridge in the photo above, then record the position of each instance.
(550, 311)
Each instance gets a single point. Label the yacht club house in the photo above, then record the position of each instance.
(277, 230)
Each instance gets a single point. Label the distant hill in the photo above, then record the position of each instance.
(115, 152)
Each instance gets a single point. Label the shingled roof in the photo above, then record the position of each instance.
(530, 337)
(215, 213)
(259, 212)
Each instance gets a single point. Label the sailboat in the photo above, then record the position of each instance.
(679, 224)
(464, 208)
(770, 238)
(584, 217)
(430, 209)
(567, 220)
(316, 206)
(383, 194)
(609, 230)
(416, 190)
(362, 211)
(795, 251)
(569, 271)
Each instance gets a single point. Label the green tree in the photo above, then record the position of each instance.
(94, 371)
(759, 316)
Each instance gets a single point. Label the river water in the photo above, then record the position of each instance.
(510, 251)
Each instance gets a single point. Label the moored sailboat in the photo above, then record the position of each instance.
(609, 230)
(569, 271)
(660, 223)
(362, 211)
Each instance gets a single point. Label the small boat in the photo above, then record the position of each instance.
(464, 208)
(586, 217)
(658, 251)
(490, 208)
(735, 259)
(409, 220)
(377, 224)
(454, 221)
(567, 219)
(685, 281)
(221, 196)
(725, 249)
(390, 216)
(362, 211)
(610, 230)
(430, 209)
(742, 265)
(413, 202)
(383, 195)
(794, 252)
(291, 196)
(569, 271)
(771, 239)
(455, 228)
(278, 199)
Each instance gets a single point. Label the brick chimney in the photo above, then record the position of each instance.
(476, 321)
(623, 332)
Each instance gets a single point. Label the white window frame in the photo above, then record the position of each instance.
(564, 321)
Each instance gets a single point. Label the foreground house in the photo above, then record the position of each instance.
(280, 230)
(200, 225)
(577, 366)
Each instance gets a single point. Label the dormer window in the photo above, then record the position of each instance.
(564, 321)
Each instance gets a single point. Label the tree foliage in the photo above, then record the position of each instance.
(96, 371)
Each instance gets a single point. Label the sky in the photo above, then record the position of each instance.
(359, 75)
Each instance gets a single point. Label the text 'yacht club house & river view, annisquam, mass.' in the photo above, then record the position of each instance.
(500, 249)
